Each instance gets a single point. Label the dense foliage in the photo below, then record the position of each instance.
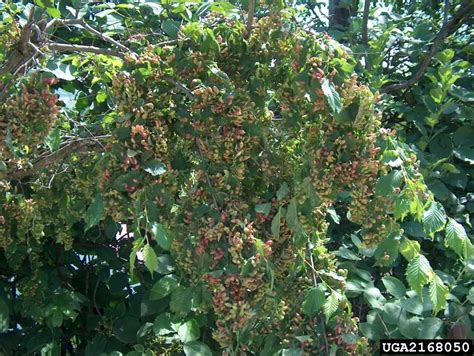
(180, 177)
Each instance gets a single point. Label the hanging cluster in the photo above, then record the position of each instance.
(27, 116)
(203, 149)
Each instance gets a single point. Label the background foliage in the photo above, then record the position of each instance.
(178, 179)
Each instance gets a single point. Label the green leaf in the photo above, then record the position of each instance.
(181, 300)
(430, 328)
(162, 325)
(101, 97)
(334, 217)
(314, 301)
(189, 331)
(418, 273)
(331, 305)
(283, 191)
(434, 218)
(332, 95)
(53, 140)
(276, 224)
(409, 249)
(125, 329)
(57, 319)
(155, 167)
(95, 212)
(263, 208)
(438, 294)
(171, 28)
(391, 158)
(163, 287)
(394, 286)
(387, 251)
(162, 237)
(4, 316)
(150, 259)
(166, 264)
(456, 238)
(386, 184)
(292, 215)
(344, 252)
(196, 348)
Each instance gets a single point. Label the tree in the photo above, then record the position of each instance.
(185, 177)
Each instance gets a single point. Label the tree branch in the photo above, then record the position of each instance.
(62, 47)
(466, 9)
(47, 159)
(250, 16)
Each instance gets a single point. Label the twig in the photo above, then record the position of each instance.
(62, 47)
(364, 31)
(181, 87)
(315, 282)
(106, 38)
(466, 9)
(48, 159)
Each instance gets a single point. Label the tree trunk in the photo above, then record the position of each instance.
(339, 15)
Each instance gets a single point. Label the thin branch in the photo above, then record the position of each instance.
(364, 31)
(62, 47)
(466, 9)
(250, 16)
(103, 37)
(181, 87)
(47, 159)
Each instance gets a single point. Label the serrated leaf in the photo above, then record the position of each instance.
(402, 208)
(162, 237)
(276, 224)
(386, 184)
(394, 286)
(434, 218)
(150, 259)
(438, 294)
(189, 331)
(163, 287)
(196, 348)
(387, 251)
(409, 249)
(314, 301)
(95, 212)
(332, 95)
(155, 167)
(418, 273)
(455, 237)
(331, 305)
